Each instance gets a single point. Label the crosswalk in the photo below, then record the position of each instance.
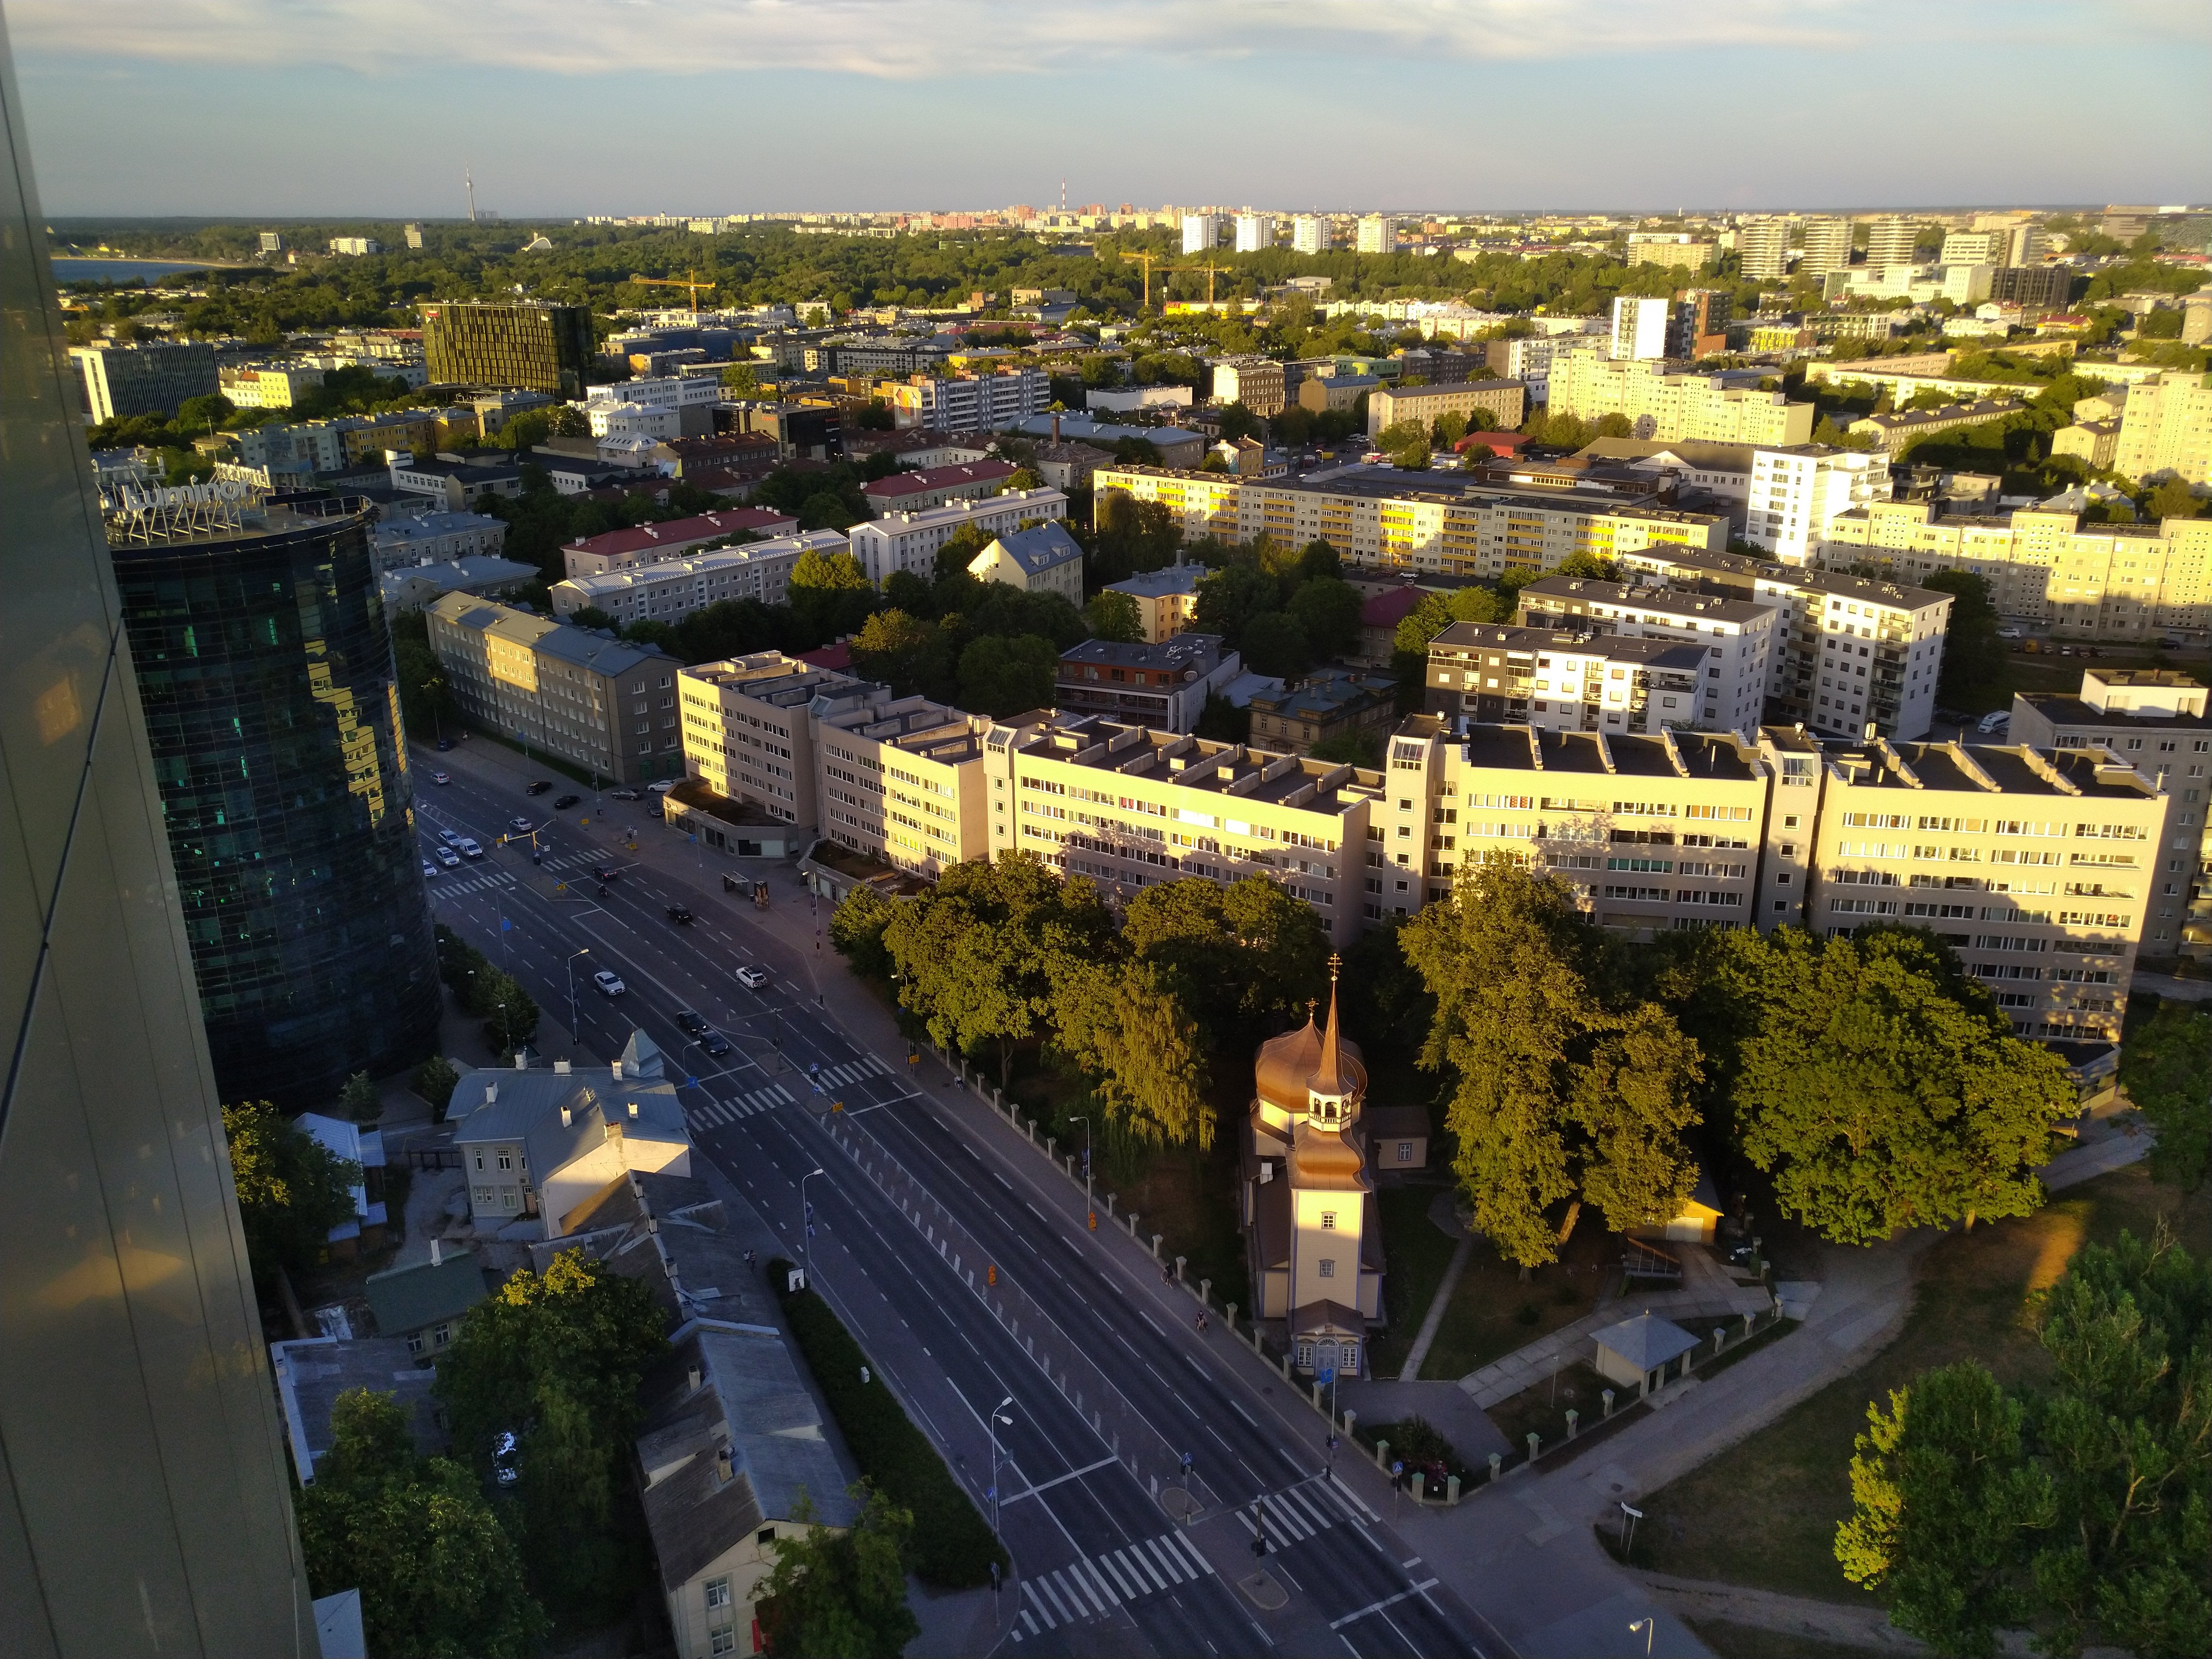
(472, 884)
(717, 1113)
(1296, 1513)
(840, 1076)
(1097, 1584)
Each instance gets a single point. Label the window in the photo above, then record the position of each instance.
(414, 1342)
(766, 1535)
(441, 1335)
(479, 1159)
(509, 1198)
(1405, 1151)
(1327, 1268)
(1328, 1221)
(484, 1197)
(718, 1591)
(721, 1641)
(506, 1160)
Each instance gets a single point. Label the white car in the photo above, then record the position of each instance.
(609, 985)
(751, 978)
(439, 777)
(448, 857)
(469, 849)
(2011, 634)
(452, 837)
(429, 868)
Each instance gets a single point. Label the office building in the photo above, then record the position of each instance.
(147, 1508)
(1162, 687)
(1738, 637)
(1762, 247)
(1200, 231)
(668, 590)
(1974, 247)
(595, 701)
(1640, 327)
(911, 541)
(1797, 491)
(1684, 251)
(1166, 599)
(264, 667)
(1504, 402)
(1309, 234)
(1825, 245)
(969, 403)
(1255, 382)
(2166, 430)
(902, 780)
(1256, 233)
(1378, 233)
(1892, 240)
(121, 382)
(523, 345)
(1669, 405)
(2048, 286)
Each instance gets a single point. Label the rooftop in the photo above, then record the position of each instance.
(725, 521)
(1159, 584)
(1192, 654)
(311, 1374)
(406, 1299)
(1674, 601)
(1995, 768)
(1040, 548)
(1326, 693)
(1230, 770)
(898, 486)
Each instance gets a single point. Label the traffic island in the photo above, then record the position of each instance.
(1264, 1592)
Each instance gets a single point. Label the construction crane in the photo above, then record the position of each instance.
(690, 280)
(1145, 259)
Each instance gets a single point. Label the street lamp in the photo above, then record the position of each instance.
(1090, 1214)
(995, 1419)
(806, 1224)
(1648, 1626)
(572, 1037)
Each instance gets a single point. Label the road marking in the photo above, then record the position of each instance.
(1377, 1607)
(1072, 1474)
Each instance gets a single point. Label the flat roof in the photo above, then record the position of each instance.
(1233, 770)
(1991, 769)
(1674, 599)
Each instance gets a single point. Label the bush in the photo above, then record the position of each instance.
(952, 1548)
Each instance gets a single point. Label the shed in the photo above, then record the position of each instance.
(1399, 1135)
(1637, 1351)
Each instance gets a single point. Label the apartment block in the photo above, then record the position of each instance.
(1564, 679)
(1891, 240)
(124, 380)
(1686, 252)
(268, 386)
(969, 403)
(1377, 234)
(911, 541)
(596, 703)
(1166, 599)
(649, 544)
(2166, 430)
(2035, 867)
(1798, 492)
(1853, 651)
(2101, 581)
(903, 781)
(1826, 245)
(1763, 247)
(1200, 232)
(1506, 401)
(1309, 234)
(1163, 686)
(1893, 432)
(437, 537)
(2096, 443)
(668, 590)
(934, 486)
(1255, 232)
(746, 728)
(1255, 382)
(1670, 404)
(1130, 808)
(1737, 635)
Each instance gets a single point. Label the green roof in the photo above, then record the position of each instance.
(406, 1299)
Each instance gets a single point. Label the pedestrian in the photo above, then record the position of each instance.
(1201, 1323)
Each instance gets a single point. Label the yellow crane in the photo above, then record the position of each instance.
(690, 280)
(1145, 260)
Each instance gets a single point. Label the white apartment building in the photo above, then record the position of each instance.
(1798, 491)
(1826, 245)
(1309, 234)
(1669, 405)
(1891, 240)
(1200, 231)
(1763, 246)
(668, 590)
(436, 539)
(1737, 635)
(969, 403)
(1852, 652)
(910, 541)
(903, 781)
(748, 733)
(1255, 232)
(635, 421)
(1564, 679)
(662, 408)
(1378, 233)
(1639, 327)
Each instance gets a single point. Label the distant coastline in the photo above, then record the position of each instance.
(91, 268)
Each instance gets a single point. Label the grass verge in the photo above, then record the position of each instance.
(1492, 1312)
(1415, 1252)
(953, 1547)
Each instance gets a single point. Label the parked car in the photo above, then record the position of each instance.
(652, 809)
(506, 1455)
(440, 777)
(1994, 722)
(445, 744)
(564, 802)
(662, 787)
(609, 985)
(680, 915)
(713, 1044)
(752, 979)
(448, 857)
(539, 788)
(622, 794)
(690, 1021)
(468, 848)
(2012, 633)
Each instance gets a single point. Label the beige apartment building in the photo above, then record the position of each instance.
(2103, 581)
(902, 782)
(1258, 383)
(1668, 404)
(1383, 520)
(748, 732)
(1506, 403)
(2096, 442)
(2165, 429)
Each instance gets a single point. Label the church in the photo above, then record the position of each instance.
(1313, 1150)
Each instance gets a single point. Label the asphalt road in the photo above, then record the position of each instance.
(1107, 1558)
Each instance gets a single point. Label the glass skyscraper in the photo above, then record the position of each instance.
(145, 1504)
(529, 345)
(264, 668)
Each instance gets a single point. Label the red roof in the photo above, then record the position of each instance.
(1388, 610)
(837, 656)
(900, 484)
(1500, 443)
(724, 521)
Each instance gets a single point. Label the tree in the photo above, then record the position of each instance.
(434, 1080)
(438, 1574)
(1231, 597)
(894, 647)
(1002, 675)
(292, 1189)
(1562, 1093)
(210, 409)
(1351, 748)
(1275, 643)
(1317, 559)
(1241, 957)
(2166, 1066)
(1590, 565)
(358, 1099)
(1940, 1497)
(825, 509)
(856, 931)
(1238, 422)
(557, 1359)
(841, 1594)
(1884, 1089)
(2172, 498)
(1326, 610)
(1124, 1024)
(1115, 616)
(1973, 655)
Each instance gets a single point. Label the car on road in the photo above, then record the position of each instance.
(622, 794)
(2011, 634)
(452, 837)
(609, 985)
(752, 979)
(430, 869)
(468, 848)
(606, 872)
(539, 788)
(713, 1044)
(444, 744)
(680, 915)
(442, 777)
(446, 856)
(690, 1022)
(564, 802)
(661, 788)
(521, 826)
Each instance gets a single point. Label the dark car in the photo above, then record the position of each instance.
(563, 803)
(680, 913)
(622, 794)
(445, 744)
(691, 1022)
(714, 1043)
(539, 788)
(606, 873)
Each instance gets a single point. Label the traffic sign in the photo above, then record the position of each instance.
(1325, 1378)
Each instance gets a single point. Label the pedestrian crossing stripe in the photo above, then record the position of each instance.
(717, 1113)
(1097, 1584)
(473, 884)
(1298, 1512)
(853, 1072)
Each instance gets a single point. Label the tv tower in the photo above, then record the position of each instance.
(469, 180)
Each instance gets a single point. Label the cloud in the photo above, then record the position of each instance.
(916, 39)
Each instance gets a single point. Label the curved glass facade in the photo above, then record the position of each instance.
(264, 668)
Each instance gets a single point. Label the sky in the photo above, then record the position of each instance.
(560, 108)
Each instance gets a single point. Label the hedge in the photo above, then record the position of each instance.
(953, 1547)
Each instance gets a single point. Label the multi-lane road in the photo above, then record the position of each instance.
(955, 1253)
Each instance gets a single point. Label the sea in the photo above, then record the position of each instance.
(116, 270)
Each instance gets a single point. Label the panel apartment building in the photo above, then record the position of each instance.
(595, 701)
(969, 403)
(2166, 430)
(911, 541)
(669, 590)
(1737, 635)
(1663, 401)
(1506, 401)
(1380, 517)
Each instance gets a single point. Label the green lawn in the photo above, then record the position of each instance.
(1492, 1312)
(1744, 1642)
(1764, 1513)
(1415, 1253)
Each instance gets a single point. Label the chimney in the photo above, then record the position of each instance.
(723, 1470)
(437, 1253)
(521, 1061)
(618, 1072)
(560, 1068)
(568, 1118)
(694, 1375)
(633, 1109)
(491, 1092)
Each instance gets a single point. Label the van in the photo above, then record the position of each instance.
(1994, 722)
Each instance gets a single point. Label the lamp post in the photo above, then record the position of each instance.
(995, 1419)
(1090, 1214)
(585, 951)
(806, 1226)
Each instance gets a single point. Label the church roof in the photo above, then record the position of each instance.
(1323, 1159)
(1308, 1060)
(1327, 1318)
